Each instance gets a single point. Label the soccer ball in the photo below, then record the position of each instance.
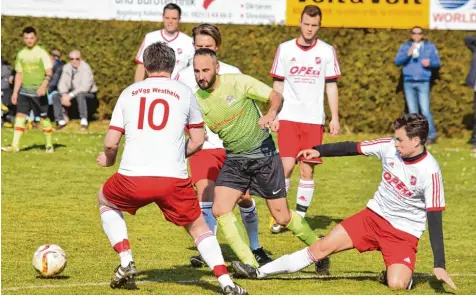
(49, 260)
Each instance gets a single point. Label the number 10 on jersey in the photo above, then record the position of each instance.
(150, 114)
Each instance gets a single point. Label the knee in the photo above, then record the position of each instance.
(217, 211)
(396, 283)
(283, 219)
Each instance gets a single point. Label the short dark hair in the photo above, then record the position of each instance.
(312, 11)
(206, 52)
(173, 6)
(417, 27)
(159, 57)
(415, 125)
(29, 30)
(209, 30)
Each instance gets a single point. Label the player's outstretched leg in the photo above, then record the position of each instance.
(225, 200)
(115, 228)
(337, 240)
(210, 251)
(249, 216)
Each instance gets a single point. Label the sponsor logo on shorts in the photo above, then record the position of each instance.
(276, 192)
(407, 260)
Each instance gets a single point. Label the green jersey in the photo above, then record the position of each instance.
(33, 63)
(230, 111)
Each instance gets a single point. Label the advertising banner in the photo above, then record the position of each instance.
(193, 11)
(453, 14)
(399, 14)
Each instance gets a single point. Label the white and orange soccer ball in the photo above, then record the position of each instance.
(49, 260)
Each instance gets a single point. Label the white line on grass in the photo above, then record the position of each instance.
(302, 277)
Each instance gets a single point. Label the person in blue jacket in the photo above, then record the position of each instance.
(418, 57)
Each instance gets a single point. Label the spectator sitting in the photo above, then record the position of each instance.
(57, 70)
(418, 57)
(76, 82)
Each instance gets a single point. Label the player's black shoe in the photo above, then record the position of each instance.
(237, 290)
(197, 261)
(323, 265)
(244, 271)
(122, 275)
(261, 256)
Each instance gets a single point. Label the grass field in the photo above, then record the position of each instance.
(51, 198)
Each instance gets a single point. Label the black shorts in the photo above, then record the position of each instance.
(264, 177)
(38, 104)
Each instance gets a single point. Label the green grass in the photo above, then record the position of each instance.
(51, 198)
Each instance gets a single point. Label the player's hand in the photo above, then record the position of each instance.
(14, 98)
(425, 62)
(442, 275)
(308, 154)
(334, 126)
(102, 159)
(41, 91)
(66, 100)
(275, 126)
(266, 121)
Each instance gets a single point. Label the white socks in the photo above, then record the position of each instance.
(249, 216)
(206, 207)
(304, 196)
(210, 251)
(287, 263)
(116, 231)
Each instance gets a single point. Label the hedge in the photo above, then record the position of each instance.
(367, 91)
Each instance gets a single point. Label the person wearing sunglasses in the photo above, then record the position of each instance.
(76, 82)
(418, 57)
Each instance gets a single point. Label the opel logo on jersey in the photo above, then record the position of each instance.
(318, 60)
(230, 100)
(397, 184)
(311, 71)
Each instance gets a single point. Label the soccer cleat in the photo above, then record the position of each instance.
(122, 275)
(84, 127)
(10, 149)
(276, 228)
(197, 261)
(261, 256)
(237, 290)
(50, 149)
(244, 271)
(60, 127)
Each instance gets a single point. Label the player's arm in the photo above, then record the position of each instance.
(333, 99)
(140, 69)
(368, 148)
(111, 146)
(16, 87)
(140, 73)
(195, 141)
(435, 204)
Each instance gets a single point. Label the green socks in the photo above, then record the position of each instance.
(301, 229)
(236, 238)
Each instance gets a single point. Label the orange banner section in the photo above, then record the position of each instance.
(398, 14)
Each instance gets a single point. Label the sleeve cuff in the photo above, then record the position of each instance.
(333, 77)
(435, 209)
(195, 125)
(139, 62)
(276, 76)
(359, 149)
(116, 128)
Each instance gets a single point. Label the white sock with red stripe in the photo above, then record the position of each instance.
(287, 183)
(288, 263)
(206, 207)
(304, 196)
(116, 230)
(249, 216)
(210, 251)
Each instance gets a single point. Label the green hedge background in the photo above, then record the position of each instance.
(367, 91)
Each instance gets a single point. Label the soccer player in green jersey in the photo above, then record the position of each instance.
(34, 70)
(228, 106)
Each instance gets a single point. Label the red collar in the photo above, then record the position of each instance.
(306, 48)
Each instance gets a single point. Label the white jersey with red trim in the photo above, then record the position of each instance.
(187, 77)
(304, 71)
(181, 43)
(153, 114)
(408, 189)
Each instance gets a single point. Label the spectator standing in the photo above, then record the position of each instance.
(418, 57)
(76, 82)
(470, 42)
